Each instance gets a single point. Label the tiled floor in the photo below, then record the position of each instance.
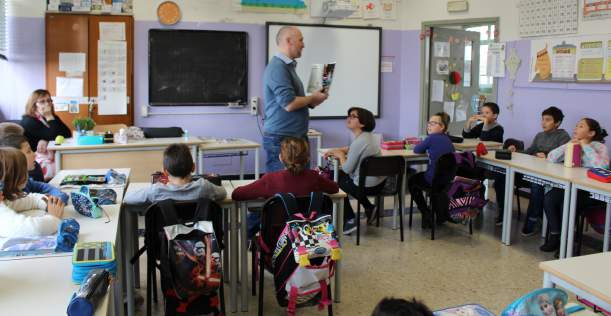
(454, 269)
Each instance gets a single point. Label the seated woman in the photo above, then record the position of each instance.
(360, 122)
(42, 125)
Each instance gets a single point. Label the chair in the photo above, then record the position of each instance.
(519, 182)
(445, 171)
(273, 220)
(114, 128)
(381, 167)
(154, 223)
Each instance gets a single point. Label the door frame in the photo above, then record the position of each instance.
(425, 50)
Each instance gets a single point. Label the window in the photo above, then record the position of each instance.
(3, 29)
(486, 32)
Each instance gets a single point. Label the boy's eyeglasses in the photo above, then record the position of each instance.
(433, 123)
(352, 116)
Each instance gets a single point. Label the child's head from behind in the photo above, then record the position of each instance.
(295, 154)
(401, 307)
(589, 129)
(490, 111)
(438, 123)
(551, 118)
(359, 118)
(13, 172)
(177, 161)
(20, 142)
(8, 128)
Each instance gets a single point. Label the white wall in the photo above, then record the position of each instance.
(414, 12)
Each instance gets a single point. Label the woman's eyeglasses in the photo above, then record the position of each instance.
(45, 101)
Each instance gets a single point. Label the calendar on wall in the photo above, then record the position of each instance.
(548, 17)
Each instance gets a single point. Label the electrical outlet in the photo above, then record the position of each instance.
(254, 106)
(144, 111)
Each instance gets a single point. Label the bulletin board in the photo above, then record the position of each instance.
(571, 59)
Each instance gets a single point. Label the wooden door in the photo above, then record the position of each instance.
(76, 33)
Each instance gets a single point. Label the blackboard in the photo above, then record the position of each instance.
(197, 67)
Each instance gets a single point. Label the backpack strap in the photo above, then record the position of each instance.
(290, 203)
(316, 200)
(168, 211)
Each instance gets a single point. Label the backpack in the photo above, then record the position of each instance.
(465, 199)
(541, 302)
(305, 255)
(190, 261)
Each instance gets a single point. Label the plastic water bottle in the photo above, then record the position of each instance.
(185, 135)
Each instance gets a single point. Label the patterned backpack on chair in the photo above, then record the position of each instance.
(466, 192)
(304, 258)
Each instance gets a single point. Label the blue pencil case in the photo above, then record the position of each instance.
(92, 255)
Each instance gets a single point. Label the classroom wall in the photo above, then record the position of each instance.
(400, 89)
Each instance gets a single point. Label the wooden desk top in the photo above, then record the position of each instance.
(229, 143)
(70, 143)
(543, 167)
(471, 143)
(581, 178)
(405, 153)
(589, 273)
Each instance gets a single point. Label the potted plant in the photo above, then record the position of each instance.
(83, 125)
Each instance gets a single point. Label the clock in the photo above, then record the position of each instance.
(168, 13)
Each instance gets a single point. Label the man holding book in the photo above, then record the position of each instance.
(286, 105)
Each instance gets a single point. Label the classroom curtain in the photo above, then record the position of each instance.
(3, 29)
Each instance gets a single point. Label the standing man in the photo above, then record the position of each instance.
(286, 106)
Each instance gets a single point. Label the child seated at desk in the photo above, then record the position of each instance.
(33, 186)
(295, 179)
(484, 126)
(436, 145)
(589, 134)
(9, 128)
(178, 166)
(14, 221)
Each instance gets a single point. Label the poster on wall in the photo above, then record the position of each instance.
(547, 17)
(496, 60)
(574, 59)
(596, 9)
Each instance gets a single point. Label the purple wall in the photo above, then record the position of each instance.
(530, 99)
(25, 70)
(400, 93)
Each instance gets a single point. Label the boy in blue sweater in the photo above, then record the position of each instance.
(32, 186)
(435, 145)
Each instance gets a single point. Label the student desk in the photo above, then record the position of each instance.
(471, 144)
(43, 285)
(585, 276)
(598, 190)
(238, 145)
(242, 207)
(130, 226)
(144, 157)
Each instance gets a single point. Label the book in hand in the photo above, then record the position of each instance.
(321, 77)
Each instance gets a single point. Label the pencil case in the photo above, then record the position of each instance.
(600, 174)
(502, 154)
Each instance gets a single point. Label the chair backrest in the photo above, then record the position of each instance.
(445, 171)
(274, 217)
(154, 222)
(515, 142)
(380, 166)
(114, 128)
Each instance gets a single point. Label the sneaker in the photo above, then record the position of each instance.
(552, 244)
(529, 228)
(349, 226)
(498, 221)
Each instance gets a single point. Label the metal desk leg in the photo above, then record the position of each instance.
(318, 146)
(565, 220)
(256, 163)
(244, 256)
(241, 165)
(335, 169)
(226, 216)
(195, 155)
(547, 282)
(607, 226)
(233, 259)
(544, 226)
(509, 180)
(339, 223)
(571, 226)
(127, 233)
(58, 161)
